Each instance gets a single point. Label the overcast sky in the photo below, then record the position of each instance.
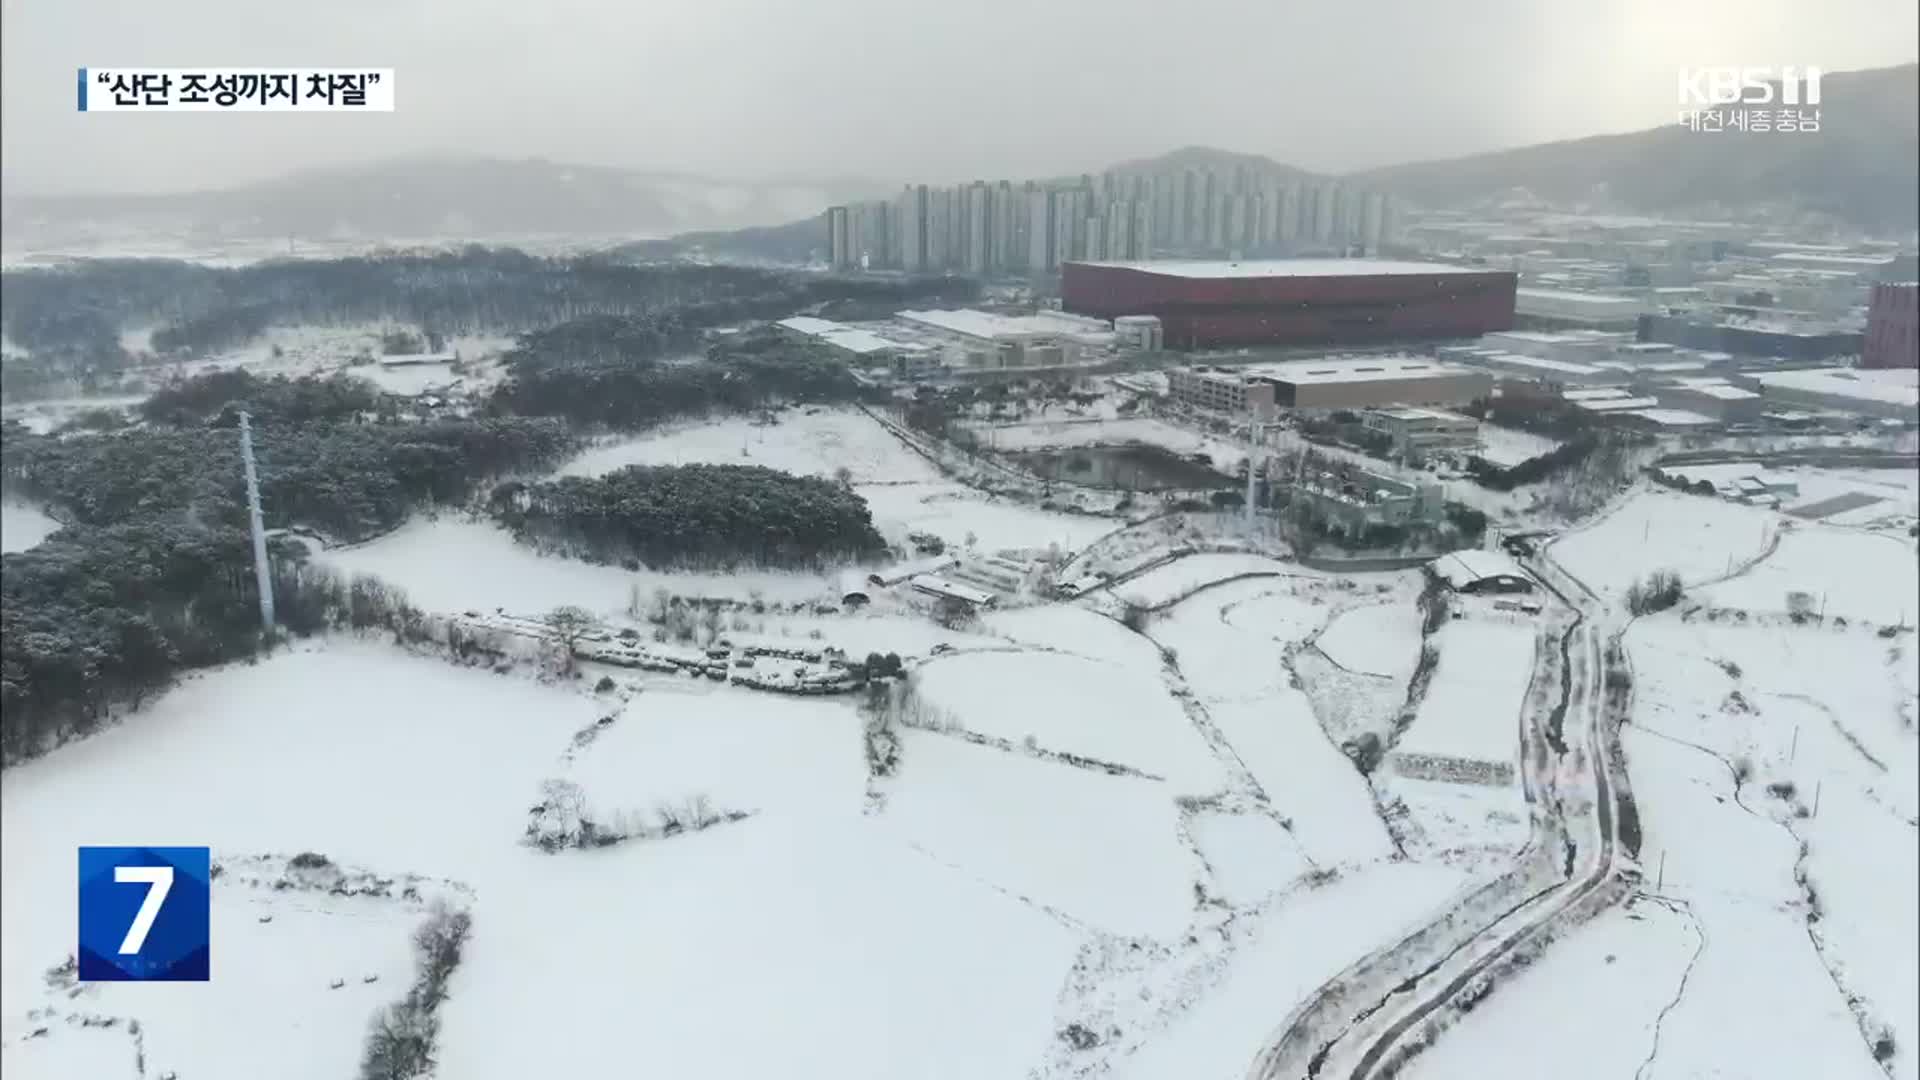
(895, 89)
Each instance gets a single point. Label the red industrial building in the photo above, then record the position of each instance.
(1893, 327)
(1294, 301)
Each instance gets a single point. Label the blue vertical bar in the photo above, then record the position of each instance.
(83, 89)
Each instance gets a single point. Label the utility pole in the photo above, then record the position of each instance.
(1816, 796)
(257, 524)
(1253, 457)
(1794, 746)
(1660, 879)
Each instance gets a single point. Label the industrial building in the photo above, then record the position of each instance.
(1424, 431)
(904, 359)
(984, 339)
(1803, 343)
(1141, 332)
(1893, 327)
(1352, 500)
(1889, 392)
(1372, 381)
(1204, 304)
(1224, 390)
(1565, 307)
(1711, 397)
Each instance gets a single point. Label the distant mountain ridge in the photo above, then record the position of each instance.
(1860, 167)
(434, 196)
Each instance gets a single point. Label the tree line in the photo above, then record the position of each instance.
(69, 319)
(707, 516)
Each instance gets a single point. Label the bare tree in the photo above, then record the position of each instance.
(710, 623)
(569, 624)
(844, 477)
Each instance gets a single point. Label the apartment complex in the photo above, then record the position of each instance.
(1034, 226)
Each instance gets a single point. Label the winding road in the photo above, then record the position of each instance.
(1569, 783)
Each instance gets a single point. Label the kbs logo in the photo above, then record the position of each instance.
(1740, 99)
(1711, 86)
(144, 914)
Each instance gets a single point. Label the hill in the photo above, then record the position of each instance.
(1859, 167)
(428, 197)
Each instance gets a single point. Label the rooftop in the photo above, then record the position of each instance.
(1863, 261)
(1894, 386)
(1718, 390)
(1358, 369)
(1595, 393)
(1258, 268)
(1582, 297)
(1539, 363)
(1620, 404)
(1673, 417)
(1416, 413)
(989, 326)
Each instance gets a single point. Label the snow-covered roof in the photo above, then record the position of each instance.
(807, 324)
(1259, 268)
(1462, 568)
(942, 587)
(1621, 404)
(1586, 298)
(1894, 386)
(1596, 393)
(1540, 363)
(1357, 369)
(1672, 417)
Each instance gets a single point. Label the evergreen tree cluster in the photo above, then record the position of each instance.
(707, 516)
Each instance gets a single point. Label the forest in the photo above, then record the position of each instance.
(741, 373)
(152, 574)
(696, 516)
(68, 320)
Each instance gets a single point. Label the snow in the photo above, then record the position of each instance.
(1185, 575)
(683, 738)
(1102, 849)
(326, 749)
(23, 526)
(1302, 942)
(1235, 672)
(766, 948)
(955, 512)
(1376, 639)
(1507, 447)
(1071, 629)
(1630, 960)
(1821, 710)
(1251, 856)
(1850, 575)
(1061, 434)
(408, 381)
(453, 564)
(1472, 707)
(807, 444)
(1700, 539)
(1452, 820)
(1066, 703)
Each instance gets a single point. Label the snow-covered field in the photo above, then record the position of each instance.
(1182, 576)
(1594, 999)
(1700, 539)
(1507, 447)
(1846, 574)
(1472, 707)
(813, 442)
(1104, 711)
(1748, 743)
(1306, 939)
(1374, 639)
(1061, 434)
(23, 525)
(454, 564)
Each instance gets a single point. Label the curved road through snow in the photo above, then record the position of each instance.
(1575, 793)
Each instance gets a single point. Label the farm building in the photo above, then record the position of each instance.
(894, 575)
(1481, 572)
(853, 590)
(942, 589)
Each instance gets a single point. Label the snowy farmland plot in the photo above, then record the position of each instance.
(1844, 573)
(810, 442)
(1775, 770)
(1701, 539)
(455, 564)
